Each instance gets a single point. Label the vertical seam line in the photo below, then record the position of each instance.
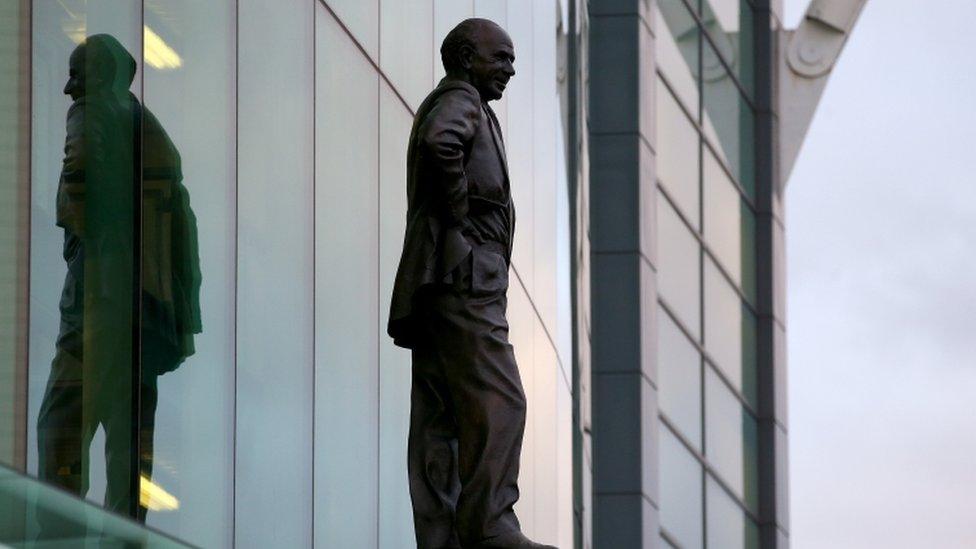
(237, 170)
(315, 133)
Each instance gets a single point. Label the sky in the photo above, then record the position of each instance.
(881, 270)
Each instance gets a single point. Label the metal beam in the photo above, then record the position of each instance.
(810, 53)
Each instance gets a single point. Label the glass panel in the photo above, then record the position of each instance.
(679, 279)
(677, 153)
(189, 233)
(730, 332)
(679, 379)
(727, 524)
(676, 52)
(346, 290)
(722, 214)
(728, 122)
(731, 440)
(748, 253)
(14, 229)
(84, 285)
(72, 521)
(681, 492)
(729, 25)
(723, 324)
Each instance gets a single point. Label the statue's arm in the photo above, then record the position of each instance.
(445, 132)
(71, 187)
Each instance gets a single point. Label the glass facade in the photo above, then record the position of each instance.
(707, 338)
(203, 206)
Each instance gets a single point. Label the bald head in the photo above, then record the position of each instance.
(99, 64)
(481, 53)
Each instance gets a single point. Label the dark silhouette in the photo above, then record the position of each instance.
(121, 172)
(467, 403)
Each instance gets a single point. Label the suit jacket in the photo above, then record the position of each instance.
(455, 167)
(111, 143)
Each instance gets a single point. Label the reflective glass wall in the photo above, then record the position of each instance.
(133, 212)
(707, 301)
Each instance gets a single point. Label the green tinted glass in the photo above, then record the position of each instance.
(729, 26)
(36, 515)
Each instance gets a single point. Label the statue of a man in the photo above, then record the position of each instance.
(467, 404)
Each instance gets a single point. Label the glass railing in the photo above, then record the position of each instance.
(34, 515)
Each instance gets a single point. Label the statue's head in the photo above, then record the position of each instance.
(481, 53)
(100, 64)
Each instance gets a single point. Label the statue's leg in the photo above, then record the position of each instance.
(63, 429)
(432, 455)
(65, 426)
(147, 427)
(479, 365)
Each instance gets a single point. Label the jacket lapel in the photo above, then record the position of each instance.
(496, 136)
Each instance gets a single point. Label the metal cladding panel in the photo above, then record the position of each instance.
(275, 275)
(361, 18)
(447, 14)
(395, 512)
(346, 298)
(406, 47)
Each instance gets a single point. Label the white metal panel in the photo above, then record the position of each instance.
(543, 179)
(274, 340)
(496, 10)
(545, 433)
(447, 14)
(520, 141)
(521, 319)
(406, 46)
(346, 296)
(395, 512)
(361, 18)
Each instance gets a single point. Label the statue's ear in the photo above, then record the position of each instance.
(466, 56)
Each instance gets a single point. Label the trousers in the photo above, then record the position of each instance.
(91, 385)
(467, 419)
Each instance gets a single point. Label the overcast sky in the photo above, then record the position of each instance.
(881, 251)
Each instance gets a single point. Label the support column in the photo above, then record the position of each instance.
(624, 386)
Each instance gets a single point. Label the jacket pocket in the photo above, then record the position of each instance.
(489, 273)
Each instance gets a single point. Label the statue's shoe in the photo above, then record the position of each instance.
(514, 540)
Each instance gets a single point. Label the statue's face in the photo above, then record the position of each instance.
(75, 86)
(491, 63)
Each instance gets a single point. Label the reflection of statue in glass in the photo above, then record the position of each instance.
(467, 404)
(113, 148)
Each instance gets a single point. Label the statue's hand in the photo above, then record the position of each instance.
(468, 231)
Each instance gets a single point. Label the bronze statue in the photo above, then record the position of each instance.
(467, 404)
